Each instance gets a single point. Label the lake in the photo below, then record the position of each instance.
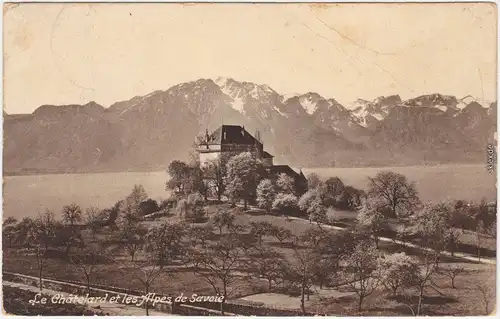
(26, 195)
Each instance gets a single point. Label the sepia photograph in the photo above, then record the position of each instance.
(249, 159)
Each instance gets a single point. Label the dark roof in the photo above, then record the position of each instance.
(267, 155)
(278, 169)
(232, 134)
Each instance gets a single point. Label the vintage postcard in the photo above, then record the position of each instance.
(249, 159)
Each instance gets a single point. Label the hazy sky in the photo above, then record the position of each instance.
(76, 53)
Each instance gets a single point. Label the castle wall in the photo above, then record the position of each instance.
(207, 157)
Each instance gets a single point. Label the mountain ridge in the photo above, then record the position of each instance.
(302, 130)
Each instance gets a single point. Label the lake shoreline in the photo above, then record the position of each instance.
(76, 172)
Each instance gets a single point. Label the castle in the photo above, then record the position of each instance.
(234, 139)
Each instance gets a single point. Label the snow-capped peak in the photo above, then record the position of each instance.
(463, 102)
(309, 102)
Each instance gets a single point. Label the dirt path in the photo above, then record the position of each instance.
(114, 309)
(459, 255)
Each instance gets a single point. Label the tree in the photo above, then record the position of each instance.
(311, 203)
(399, 196)
(351, 198)
(423, 278)
(41, 235)
(67, 237)
(94, 220)
(242, 177)
(260, 229)
(487, 293)
(199, 236)
(285, 203)
(313, 238)
(267, 263)
(317, 213)
(72, 214)
(163, 243)
(301, 271)
(223, 218)
(398, 272)
(281, 233)
(362, 267)
(371, 218)
(134, 200)
(195, 182)
(131, 236)
(307, 198)
(23, 230)
(313, 181)
(9, 231)
(217, 263)
(286, 184)
(266, 193)
(432, 225)
(89, 261)
(111, 215)
(483, 220)
(452, 272)
(215, 170)
(179, 174)
(332, 191)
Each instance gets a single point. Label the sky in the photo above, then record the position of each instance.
(76, 53)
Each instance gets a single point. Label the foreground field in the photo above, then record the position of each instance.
(26, 195)
(466, 298)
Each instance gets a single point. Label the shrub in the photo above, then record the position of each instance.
(148, 206)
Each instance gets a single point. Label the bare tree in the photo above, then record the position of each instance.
(399, 196)
(223, 218)
(72, 214)
(301, 270)
(163, 246)
(199, 236)
(90, 260)
(163, 243)
(424, 278)
(487, 291)
(217, 263)
(131, 236)
(9, 230)
(281, 233)
(362, 268)
(147, 272)
(452, 272)
(94, 220)
(260, 229)
(41, 235)
(267, 263)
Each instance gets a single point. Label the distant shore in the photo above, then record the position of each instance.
(34, 172)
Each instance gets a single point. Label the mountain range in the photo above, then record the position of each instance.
(302, 130)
